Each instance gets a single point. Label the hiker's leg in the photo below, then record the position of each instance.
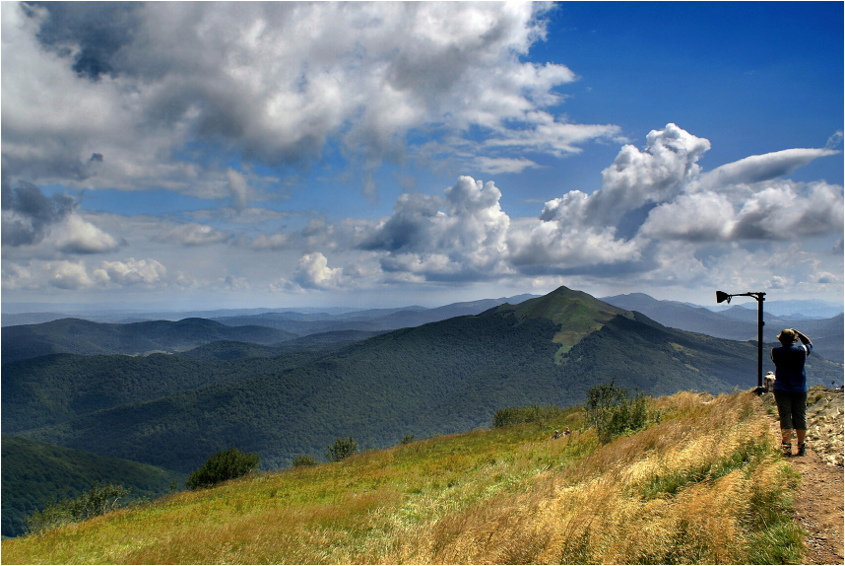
(799, 419)
(785, 410)
(784, 403)
(799, 413)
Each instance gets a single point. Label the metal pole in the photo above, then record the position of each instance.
(726, 297)
(760, 298)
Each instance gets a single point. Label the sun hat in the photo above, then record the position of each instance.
(787, 336)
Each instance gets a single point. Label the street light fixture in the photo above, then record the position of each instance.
(722, 297)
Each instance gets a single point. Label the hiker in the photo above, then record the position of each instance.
(556, 435)
(567, 432)
(790, 387)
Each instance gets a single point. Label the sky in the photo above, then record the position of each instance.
(198, 155)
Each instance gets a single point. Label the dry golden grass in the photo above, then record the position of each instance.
(704, 486)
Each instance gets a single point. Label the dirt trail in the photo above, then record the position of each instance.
(819, 501)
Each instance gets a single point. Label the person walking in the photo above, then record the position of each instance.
(790, 387)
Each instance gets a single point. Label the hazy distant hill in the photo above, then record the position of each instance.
(439, 378)
(370, 320)
(35, 472)
(76, 336)
(316, 343)
(737, 323)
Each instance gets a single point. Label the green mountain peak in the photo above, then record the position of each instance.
(577, 313)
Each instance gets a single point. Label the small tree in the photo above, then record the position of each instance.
(99, 500)
(221, 466)
(341, 449)
(612, 411)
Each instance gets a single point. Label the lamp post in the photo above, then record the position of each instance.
(722, 297)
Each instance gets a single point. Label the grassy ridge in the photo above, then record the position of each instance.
(704, 486)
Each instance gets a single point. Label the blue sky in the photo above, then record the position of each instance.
(216, 155)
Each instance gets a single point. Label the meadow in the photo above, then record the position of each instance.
(704, 485)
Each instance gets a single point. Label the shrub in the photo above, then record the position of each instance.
(221, 466)
(613, 412)
(530, 414)
(99, 500)
(341, 449)
(305, 460)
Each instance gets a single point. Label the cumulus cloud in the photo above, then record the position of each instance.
(112, 94)
(76, 235)
(790, 210)
(78, 275)
(581, 233)
(132, 272)
(660, 193)
(313, 272)
(70, 275)
(653, 175)
(460, 235)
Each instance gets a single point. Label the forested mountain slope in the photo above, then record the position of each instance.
(35, 472)
(54, 389)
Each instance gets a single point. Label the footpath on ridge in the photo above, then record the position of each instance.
(818, 505)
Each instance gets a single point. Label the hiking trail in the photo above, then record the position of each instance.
(818, 503)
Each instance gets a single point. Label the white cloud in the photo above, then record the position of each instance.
(660, 193)
(69, 275)
(697, 217)
(789, 210)
(757, 168)
(193, 234)
(144, 272)
(76, 235)
(553, 246)
(49, 224)
(653, 175)
(462, 235)
(239, 189)
(313, 272)
(125, 113)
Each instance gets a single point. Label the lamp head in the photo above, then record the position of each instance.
(722, 297)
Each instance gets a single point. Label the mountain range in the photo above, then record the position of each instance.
(296, 329)
(737, 322)
(296, 396)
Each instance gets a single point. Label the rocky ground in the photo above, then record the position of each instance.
(825, 424)
(819, 500)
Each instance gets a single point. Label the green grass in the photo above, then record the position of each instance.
(691, 489)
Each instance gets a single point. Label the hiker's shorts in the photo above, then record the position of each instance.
(792, 408)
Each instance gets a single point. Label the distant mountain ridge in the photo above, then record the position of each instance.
(77, 336)
(737, 322)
